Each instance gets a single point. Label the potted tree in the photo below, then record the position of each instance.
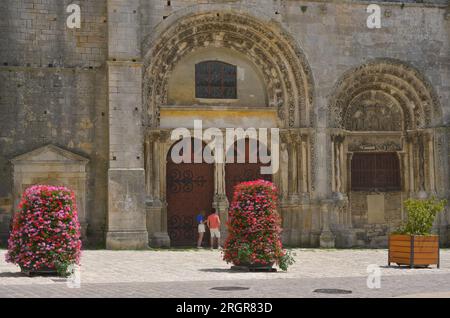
(45, 235)
(413, 244)
(254, 228)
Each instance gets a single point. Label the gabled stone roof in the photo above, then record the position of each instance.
(49, 153)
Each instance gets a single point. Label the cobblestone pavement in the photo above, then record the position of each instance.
(193, 273)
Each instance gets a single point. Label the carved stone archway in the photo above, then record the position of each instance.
(288, 83)
(286, 73)
(397, 102)
(383, 106)
(393, 82)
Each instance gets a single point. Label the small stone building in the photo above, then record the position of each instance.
(363, 112)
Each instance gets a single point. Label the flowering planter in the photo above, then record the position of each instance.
(45, 234)
(414, 250)
(254, 229)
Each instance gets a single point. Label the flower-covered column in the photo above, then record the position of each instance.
(45, 233)
(254, 228)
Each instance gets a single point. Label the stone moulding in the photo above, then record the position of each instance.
(49, 154)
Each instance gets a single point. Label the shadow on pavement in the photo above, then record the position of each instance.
(13, 274)
(217, 270)
(405, 267)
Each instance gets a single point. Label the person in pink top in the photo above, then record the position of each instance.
(213, 223)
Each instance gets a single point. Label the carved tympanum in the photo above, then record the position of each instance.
(373, 117)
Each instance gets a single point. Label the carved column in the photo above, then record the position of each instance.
(404, 167)
(337, 142)
(303, 163)
(298, 199)
(283, 186)
(148, 155)
(156, 171)
(220, 198)
(349, 169)
(421, 161)
(429, 143)
(404, 179)
(322, 175)
(292, 145)
(333, 165)
(348, 187)
(165, 144)
(339, 212)
(343, 172)
(410, 150)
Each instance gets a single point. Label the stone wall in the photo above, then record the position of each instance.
(34, 34)
(56, 87)
(53, 91)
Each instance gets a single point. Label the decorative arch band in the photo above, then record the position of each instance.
(286, 74)
(397, 88)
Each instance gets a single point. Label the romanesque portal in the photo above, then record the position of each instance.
(380, 149)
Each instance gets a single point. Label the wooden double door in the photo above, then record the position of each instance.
(236, 173)
(190, 190)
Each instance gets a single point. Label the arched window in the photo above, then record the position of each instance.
(375, 172)
(214, 79)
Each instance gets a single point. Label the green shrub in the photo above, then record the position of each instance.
(421, 215)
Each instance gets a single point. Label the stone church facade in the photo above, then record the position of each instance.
(363, 113)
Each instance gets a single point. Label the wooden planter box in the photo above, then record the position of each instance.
(414, 251)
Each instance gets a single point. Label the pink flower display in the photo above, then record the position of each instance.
(45, 233)
(254, 227)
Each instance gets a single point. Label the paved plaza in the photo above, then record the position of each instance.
(195, 273)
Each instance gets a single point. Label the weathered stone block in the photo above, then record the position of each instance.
(126, 211)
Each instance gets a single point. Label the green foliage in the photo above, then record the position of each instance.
(245, 253)
(421, 215)
(286, 260)
(63, 268)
